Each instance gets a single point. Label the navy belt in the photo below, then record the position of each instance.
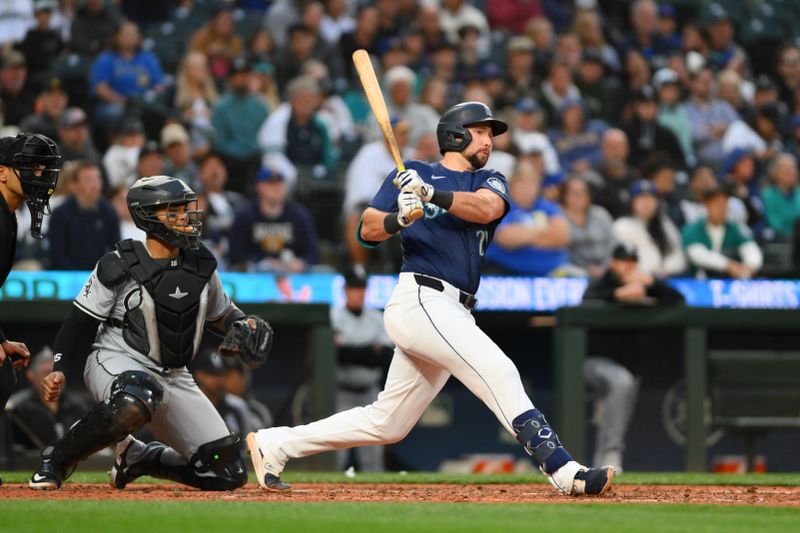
(466, 299)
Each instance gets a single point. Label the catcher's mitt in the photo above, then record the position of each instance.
(250, 338)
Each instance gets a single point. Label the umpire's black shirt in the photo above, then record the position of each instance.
(8, 243)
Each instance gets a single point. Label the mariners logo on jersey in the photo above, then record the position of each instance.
(433, 211)
(497, 184)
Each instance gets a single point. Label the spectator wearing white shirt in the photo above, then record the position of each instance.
(455, 14)
(657, 241)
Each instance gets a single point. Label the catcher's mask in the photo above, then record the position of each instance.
(36, 161)
(148, 196)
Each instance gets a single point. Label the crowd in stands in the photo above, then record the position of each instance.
(673, 125)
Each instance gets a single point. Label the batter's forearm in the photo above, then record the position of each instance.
(372, 229)
(476, 207)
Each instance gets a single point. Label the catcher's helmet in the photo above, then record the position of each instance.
(452, 132)
(149, 194)
(37, 162)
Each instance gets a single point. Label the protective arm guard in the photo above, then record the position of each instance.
(249, 337)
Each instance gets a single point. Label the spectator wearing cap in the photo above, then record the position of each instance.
(612, 372)
(218, 41)
(42, 45)
(718, 248)
(693, 206)
(92, 28)
(363, 36)
(272, 234)
(363, 353)
(782, 196)
(558, 89)
(295, 138)
(709, 118)
(740, 174)
(651, 232)
(588, 26)
(36, 422)
(576, 139)
(644, 36)
(454, 14)
(118, 196)
(596, 90)
(647, 136)
(238, 381)
(532, 239)
(195, 97)
(528, 138)
(18, 102)
(85, 226)
(366, 173)
(151, 160)
(122, 157)
(723, 52)
(178, 163)
(124, 72)
(237, 117)
(668, 25)
(591, 235)
(74, 141)
(52, 103)
(671, 114)
(219, 204)
(659, 169)
(208, 369)
(400, 83)
(519, 75)
(333, 110)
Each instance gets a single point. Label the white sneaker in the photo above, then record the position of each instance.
(265, 466)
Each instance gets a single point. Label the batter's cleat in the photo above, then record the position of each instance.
(593, 481)
(118, 475)
(263, 465)
(45, 478)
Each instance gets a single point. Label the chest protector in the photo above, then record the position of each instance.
(164, 318)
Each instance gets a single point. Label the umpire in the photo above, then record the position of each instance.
(29, 167)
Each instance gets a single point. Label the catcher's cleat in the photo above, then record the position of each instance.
(45, 478)
(268, 478)
(118, 475)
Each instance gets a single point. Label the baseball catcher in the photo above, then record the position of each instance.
(146, 305)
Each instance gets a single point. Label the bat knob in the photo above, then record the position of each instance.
(417, 213)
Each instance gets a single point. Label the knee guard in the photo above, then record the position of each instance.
(540, 441)
(133, 402)
(218, 465)
(134, 398)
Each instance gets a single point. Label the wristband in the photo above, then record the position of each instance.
(390, 224)
(443, 199)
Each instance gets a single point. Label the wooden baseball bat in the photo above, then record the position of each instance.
(378, 105)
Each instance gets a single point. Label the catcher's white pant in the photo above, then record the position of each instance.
(435, 336)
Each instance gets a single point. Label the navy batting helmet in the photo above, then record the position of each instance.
(149, 194)
(452, 131)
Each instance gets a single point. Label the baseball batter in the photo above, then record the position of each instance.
(146, 305)
(428, 317)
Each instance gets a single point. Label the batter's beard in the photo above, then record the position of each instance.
(476, 160)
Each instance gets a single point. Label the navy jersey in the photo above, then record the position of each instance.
(440, 244)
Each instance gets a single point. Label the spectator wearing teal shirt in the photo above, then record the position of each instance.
(236, 119)
(532, 239)
(782, 198)
(124, 72)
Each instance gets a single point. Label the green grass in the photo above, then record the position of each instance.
(629, 478)
(151, 517)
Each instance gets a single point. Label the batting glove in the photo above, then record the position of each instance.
(409, 207)
(409, 180)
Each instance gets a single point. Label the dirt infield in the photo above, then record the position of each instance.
(306, 492)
